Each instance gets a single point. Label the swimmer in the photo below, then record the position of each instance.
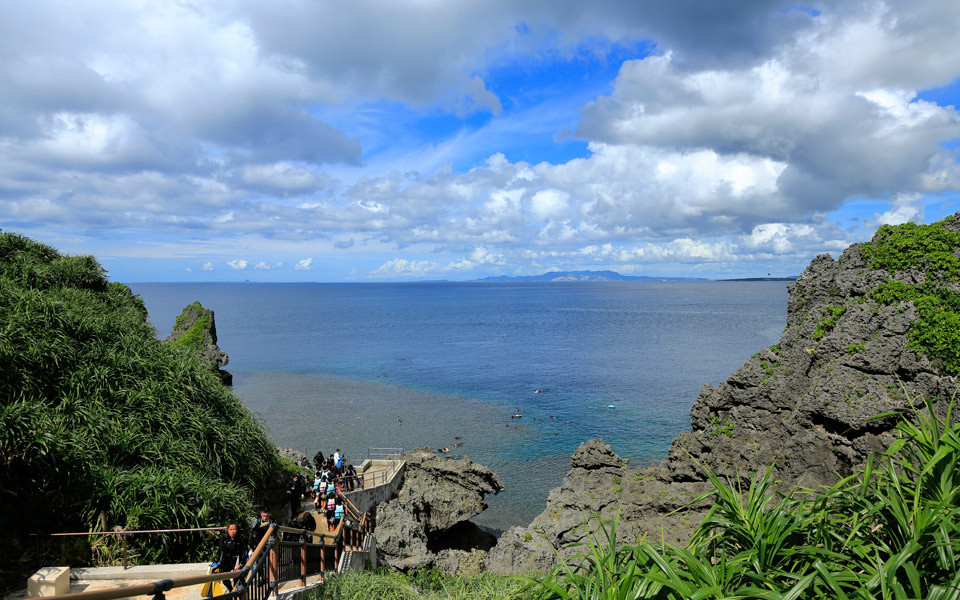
(399, 422)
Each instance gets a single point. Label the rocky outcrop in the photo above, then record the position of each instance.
(600, 484)
(807, 405)
(196, 328)
(427, 523)
(296, 457)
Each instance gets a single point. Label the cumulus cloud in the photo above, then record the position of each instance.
(304, 265)
(905, 208)
(745, 126)
(263, 266)
(401, 267)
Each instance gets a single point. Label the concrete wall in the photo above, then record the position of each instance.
(356, 560)
(368, 498)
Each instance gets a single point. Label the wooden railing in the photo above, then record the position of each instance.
(274, 561)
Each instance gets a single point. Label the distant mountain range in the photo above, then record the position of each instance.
(612, 276)
(586, 276)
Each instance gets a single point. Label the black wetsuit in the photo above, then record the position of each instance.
(232, 553)
(258, 530)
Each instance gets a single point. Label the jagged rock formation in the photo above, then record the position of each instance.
(427, 523)
(864, 335)
(196, 328)
(296, 457)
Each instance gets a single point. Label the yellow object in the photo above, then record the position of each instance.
(211, 588)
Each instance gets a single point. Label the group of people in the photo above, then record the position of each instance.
(333, 475)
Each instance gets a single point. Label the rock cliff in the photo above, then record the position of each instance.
(196, 328)
(864, 335)
(427, 523)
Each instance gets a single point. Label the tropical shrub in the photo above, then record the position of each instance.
(101, 425)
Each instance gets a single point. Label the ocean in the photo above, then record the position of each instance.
(328, 366)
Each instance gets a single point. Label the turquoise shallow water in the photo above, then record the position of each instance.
(334, 365)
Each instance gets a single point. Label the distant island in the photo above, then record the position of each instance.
(561, 276)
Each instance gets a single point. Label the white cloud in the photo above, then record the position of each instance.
(549, 204)
(401, 267)
(750, 123)
(263, 266)
(905, 208)
(304, 265)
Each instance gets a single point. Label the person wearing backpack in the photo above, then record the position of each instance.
(330, 510)
(260, 527)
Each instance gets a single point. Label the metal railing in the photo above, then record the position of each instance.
(383, 453)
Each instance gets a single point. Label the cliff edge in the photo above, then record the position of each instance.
(864, 334)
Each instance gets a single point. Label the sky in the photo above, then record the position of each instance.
(312, 140)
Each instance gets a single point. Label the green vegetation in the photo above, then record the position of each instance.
(829, 322)
(102, 426)
(720, 428)
(194, 336)
(424, 584)
(855, 348)
(932, 249)
(890, 531)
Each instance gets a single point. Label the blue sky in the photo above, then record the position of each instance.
(231, 140)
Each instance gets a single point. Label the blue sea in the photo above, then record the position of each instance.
(329, 366)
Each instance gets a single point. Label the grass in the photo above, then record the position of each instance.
(428, 584)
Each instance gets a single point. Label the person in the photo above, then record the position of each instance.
(350, 475)
(294, 494)
(337, 515)
(260, 526)
(330, 510)
(232, 553)
(304, 521)
(337, 458)
(318, 459)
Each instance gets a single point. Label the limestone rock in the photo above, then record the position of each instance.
(296, 456)
(196, 328)
(427, 522)
(599, 484)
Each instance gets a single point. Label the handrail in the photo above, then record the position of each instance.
(271, 554)
(123, 533)
(383, 452)
(126, 532)
(256, 553)
(165, 585)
